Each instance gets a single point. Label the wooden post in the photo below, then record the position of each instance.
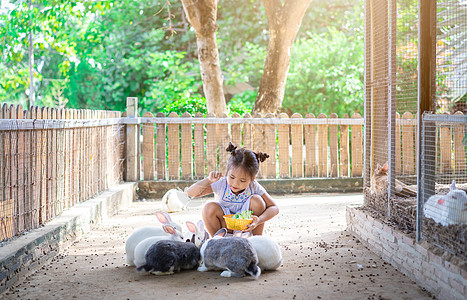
(322, 147)
(224, 138)
(66, 162)
(333, 146)
(236, 131)
(7, 208)
(258, 142)
(344, 149)
(426, 92)
(391, 100)
(148, 148)
(173, 139)
(36, 161)
(53, 167)
(76, 157)
(160, 149)
(247, 133)
(44, 170)
(398, 145)
(283, 132)
(211, 146)
(14, 171)
(132, 134)
(460, 163)
(187, 149)
(59, 164)
(445, 149)
(20, 169)
(357, 148)
(408, 145)
(297, 147)
(270, 149)
(310, 146)
(29, 168)
(199, 149)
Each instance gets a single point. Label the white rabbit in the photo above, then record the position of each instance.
(196, 233)
(144, 245)
(268, 251)
(235, 255)
(167, 257)
(148, 231)
(447, 209)
(175, 200)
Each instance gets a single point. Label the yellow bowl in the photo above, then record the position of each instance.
(236, 224)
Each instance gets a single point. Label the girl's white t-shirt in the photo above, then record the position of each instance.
(232, 203)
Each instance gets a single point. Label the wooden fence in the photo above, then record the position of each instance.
(187, 147)
(50, 160)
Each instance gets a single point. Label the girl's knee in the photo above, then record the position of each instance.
(211, 208)
(257, 204)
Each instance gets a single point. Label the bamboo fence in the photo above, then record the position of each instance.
(49, 162)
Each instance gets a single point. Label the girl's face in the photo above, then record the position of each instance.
(238, 180)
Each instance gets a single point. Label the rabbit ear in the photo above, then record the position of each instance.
(169, 229)
(163, 217)
(220, 233)
(453, 186)
(200, 225)
(191, 226)
(385, 167)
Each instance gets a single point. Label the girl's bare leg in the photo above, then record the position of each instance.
(258, 206)
(213, 217)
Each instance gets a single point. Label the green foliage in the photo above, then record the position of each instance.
(171, 79)
(326, 75)
(95, 54)
(242, 103)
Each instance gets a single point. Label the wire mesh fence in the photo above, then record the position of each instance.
(52, 159)
(443, 199)
(415, 61)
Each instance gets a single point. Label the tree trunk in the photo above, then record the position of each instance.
(283, 22)
(202, 15)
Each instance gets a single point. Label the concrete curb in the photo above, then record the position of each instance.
(27, 253)
(156, 189)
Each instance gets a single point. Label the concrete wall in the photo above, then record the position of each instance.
(157, 189)
(439, 272)
(27, 253)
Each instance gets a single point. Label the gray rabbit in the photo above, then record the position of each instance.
(235, 255)
(166, 257)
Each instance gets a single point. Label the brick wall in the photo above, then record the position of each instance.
(436, 270)
(25, 254)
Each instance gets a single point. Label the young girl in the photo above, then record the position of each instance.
(236, 192)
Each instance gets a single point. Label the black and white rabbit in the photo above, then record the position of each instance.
(142, 248)
(148, 231)
(167, 257)
(235, 255)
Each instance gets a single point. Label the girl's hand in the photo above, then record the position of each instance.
(214, 176)
(253, 225)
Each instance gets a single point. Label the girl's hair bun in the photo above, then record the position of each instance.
(261, 156)
(231, 148)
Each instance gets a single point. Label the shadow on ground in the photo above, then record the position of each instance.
(321, 261)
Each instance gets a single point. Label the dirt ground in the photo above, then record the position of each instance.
(321, 261)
